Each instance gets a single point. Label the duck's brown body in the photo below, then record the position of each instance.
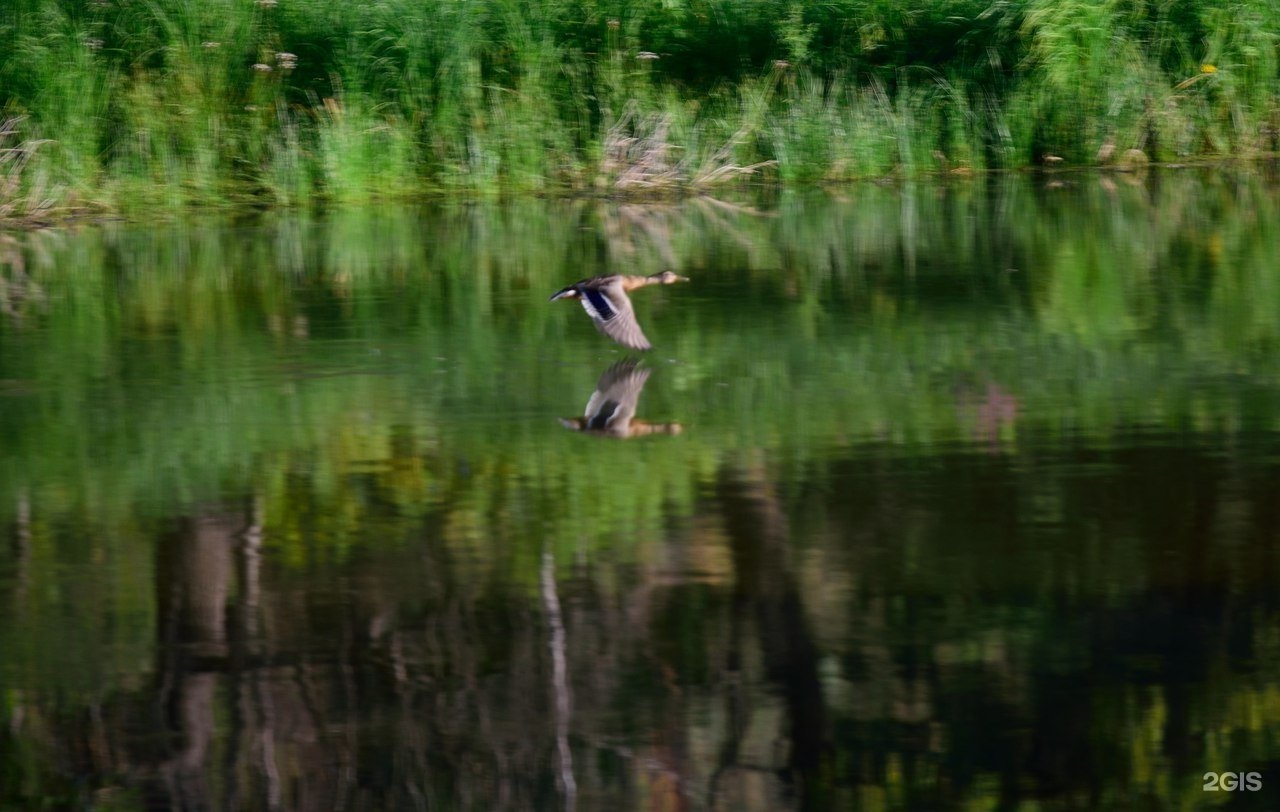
(606, 301)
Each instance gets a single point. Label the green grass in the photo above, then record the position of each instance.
(145, 104)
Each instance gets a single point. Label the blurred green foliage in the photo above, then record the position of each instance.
(144, 104)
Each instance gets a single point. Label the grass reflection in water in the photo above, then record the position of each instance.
(973, 506)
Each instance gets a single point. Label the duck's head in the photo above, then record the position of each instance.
(668, 278)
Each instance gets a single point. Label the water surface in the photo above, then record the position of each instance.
(975, 503)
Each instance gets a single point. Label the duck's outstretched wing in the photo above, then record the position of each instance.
(613, 404)
(611, 312)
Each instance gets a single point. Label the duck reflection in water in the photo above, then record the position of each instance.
(612, 408)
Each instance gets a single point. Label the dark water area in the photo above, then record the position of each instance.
(954, 497)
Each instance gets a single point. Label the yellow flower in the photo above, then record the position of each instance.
(1208, 68)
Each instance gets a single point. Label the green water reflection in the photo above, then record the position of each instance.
(975, 504)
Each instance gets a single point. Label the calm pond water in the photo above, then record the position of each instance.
(974, 503)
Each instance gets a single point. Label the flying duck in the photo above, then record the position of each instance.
(606, 302)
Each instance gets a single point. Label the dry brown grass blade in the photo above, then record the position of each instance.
(15, 203)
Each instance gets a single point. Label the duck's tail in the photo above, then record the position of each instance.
(566, 293)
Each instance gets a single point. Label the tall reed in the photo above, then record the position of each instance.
(149, 103)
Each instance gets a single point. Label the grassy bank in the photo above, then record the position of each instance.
(132, 104)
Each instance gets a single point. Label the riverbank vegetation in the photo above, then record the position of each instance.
(137, 104)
